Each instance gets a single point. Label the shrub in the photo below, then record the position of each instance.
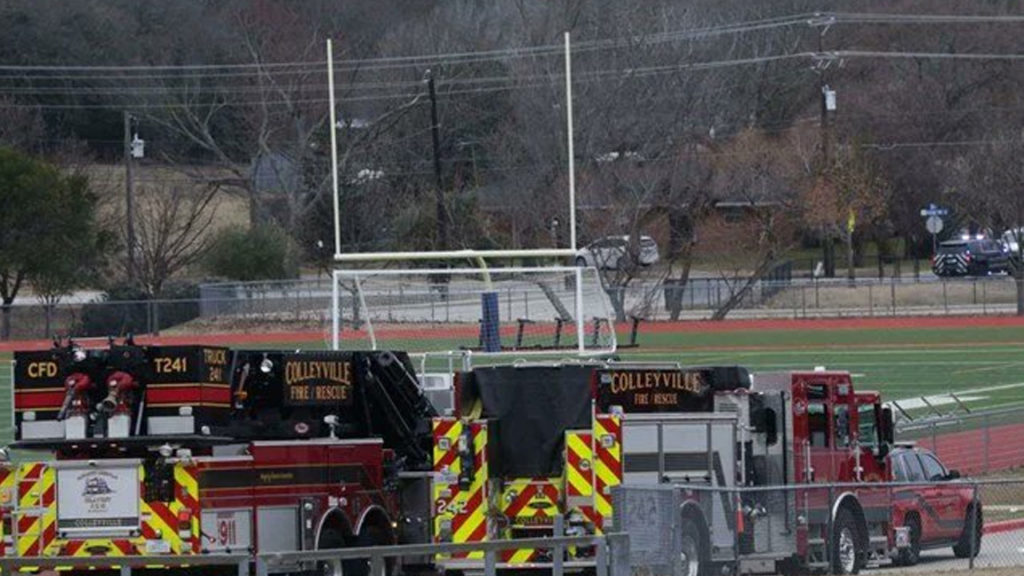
(246, 255)
(125, 309)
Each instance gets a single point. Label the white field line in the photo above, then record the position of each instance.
(971, 395)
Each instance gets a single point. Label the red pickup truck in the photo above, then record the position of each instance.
(939, 511)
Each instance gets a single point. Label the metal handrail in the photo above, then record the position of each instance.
(125, 563)
(617, 544)
(400, 550)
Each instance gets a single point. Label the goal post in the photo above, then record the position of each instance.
(491, 311)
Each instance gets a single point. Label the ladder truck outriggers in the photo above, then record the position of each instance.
(527, 443)
(170, 452)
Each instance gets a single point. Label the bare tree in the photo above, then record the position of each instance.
(761, 175)
(850, 193)
(173, 231)
(991, 190)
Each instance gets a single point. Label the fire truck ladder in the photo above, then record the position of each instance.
(394, 392)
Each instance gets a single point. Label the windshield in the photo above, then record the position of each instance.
(867, 425)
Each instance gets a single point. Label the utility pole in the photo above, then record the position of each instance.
(442, 215)
(829, 248)
(128, 193)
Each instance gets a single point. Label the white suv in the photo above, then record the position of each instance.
(612, 253)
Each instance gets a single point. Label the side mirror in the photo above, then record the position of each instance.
(771, 428)
(883, 449)
(886, 427)
(953, 475)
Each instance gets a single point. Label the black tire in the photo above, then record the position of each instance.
(332, 539)
(694, 559)
(963, 547)
(581, 262)
(847, 544)
(910, 555)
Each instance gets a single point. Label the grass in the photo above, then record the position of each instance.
(902, 363)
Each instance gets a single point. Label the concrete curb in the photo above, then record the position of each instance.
(1003, 526)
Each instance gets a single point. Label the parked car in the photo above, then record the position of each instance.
(1011, 239)
(612, 253)
(939, 512)
(970, 257)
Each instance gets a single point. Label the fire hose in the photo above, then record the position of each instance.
(77, 386)
(119, 387)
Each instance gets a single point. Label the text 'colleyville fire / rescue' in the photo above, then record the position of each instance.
(318, 380)
(656, 387)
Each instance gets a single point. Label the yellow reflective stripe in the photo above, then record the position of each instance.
(599, 432)
(576, 477)
(452, 435)
(107, 544)
(476, 517)
(187, 481)
(27, 538)
(521, 556)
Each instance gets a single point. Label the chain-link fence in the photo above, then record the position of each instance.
(305, 305)
(947, 524)
(986, 442)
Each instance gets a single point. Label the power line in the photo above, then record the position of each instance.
(836, 54)
(884, 18)
(428, 59)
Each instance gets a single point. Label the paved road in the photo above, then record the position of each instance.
(997, 550)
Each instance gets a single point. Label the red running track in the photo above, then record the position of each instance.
(966, 451)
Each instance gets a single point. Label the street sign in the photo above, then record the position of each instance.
(933, 224)
(933, 210)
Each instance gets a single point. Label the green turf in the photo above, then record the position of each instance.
(902, 363)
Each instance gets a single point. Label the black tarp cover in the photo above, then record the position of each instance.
(532, 407)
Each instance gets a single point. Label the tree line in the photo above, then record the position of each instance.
(681, 109)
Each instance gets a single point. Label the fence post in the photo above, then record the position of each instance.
(557, 566)
(619, 548)
(987, 440)
(892, 292)
(490, 563)
(945, 300)
(829, 540)
(377, 565)
(601, 558)
(871, 300)
(984, 297)
(738, 502)
(973, 527)
(156, 317)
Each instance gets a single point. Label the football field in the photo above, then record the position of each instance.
(982, 360)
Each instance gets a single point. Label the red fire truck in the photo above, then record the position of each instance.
(172, 451)
(527, 443)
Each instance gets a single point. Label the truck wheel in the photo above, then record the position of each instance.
(963, 547)
(332, 539)
(693, 550)
(846, 544)
(911, 554)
